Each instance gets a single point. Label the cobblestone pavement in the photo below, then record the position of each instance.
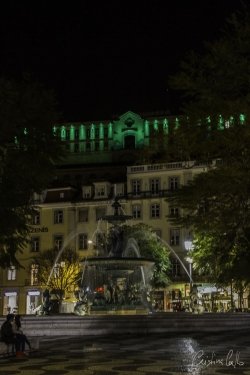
(173, 354)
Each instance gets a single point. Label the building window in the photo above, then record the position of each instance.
(100, 212)
(35, 244)
(136, 187)
(36, 218)
(76, 147)
(174, 212)
(58, 242)
(86, 192)
(106, 145)
(173, 183)
(34, 274)
(174, 237)
(155, 210)
(136, 211)
(100, 191)
(83, 241)
(11, 273)
(155, 186)
(58, 217)
(83, 215)
(99, 241)
(175, 267)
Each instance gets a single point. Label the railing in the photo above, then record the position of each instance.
(169, 166)
(149, 194)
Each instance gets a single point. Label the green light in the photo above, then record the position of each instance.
(110, 130)
(101, 131)
(221, 123)
(165, 126)
(82, 133)
(72, 133)
(92, 131)
(242, 119)
(156, 125)
(146, 128)
(63, 133)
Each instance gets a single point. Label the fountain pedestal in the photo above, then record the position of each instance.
(118, 283)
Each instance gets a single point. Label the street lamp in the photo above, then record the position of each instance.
(189, 246)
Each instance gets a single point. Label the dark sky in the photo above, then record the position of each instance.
(106, 57)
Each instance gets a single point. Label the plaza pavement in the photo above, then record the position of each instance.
(169, 354)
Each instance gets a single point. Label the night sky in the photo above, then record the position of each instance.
(103, 58)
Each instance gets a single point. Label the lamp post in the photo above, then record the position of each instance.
(189, 246)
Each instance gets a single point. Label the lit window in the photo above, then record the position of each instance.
(58, 217)
(83, 241)
(155, 210)
(174, 236)
(35, 244)
(34, 274)
(11, 274)
(136, 211)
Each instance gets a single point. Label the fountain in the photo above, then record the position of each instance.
(117, 280)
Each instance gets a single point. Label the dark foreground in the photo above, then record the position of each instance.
(217, 353)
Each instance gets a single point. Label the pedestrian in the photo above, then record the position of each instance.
(18, 330)
(9, 336)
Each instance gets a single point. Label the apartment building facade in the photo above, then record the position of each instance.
(67, 217)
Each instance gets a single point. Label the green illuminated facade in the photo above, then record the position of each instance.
(95, 142)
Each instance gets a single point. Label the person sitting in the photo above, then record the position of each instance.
(17, 327)
(9, 337)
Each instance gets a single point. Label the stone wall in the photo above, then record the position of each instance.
(71, 325)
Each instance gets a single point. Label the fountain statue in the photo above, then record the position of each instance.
(117, 280)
